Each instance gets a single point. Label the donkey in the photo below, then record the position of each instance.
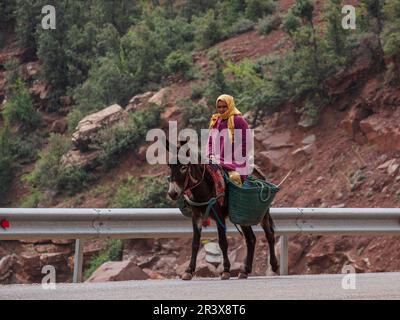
(195, 178)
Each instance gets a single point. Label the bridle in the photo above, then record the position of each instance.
(189, 177)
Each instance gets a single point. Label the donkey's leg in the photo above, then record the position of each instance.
(268, 225)
(197, 226)
(251, 244)
(223, 244)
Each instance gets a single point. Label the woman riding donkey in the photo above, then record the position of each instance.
(200, 185)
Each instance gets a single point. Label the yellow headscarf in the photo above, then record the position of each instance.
(229, 114)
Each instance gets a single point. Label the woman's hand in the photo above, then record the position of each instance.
(213, 159)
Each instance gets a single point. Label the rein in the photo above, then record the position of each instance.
(210, 203)
(189, 175)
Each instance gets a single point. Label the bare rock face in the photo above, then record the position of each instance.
(273, 159)
(118, 271)
(351, 124)
(90, 125)
(385, 136)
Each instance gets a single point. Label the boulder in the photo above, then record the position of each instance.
(6, 266)
(351, 124)
(40, 90)
(238, 255)
(306, 150)
(295, 253)
(278, 141)
(273, 159)
(158, 98)
(170, 113)
(309, 139)
(54, 258)
(118, 271)
(153, 275)
(386, 164)
(30, 70)
(31, 266)
(206, 270)
(139, 101)
(59, 126)
(392, 169)
(385, 136)
(261, 133)
(35, 241)
(76, 158)
(90, 125)
(63, 242)
(213, 253)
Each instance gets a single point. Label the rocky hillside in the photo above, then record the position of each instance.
(349, 158)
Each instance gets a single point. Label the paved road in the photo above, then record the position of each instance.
(368, 286)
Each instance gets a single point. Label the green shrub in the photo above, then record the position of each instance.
(149, 193)
(195, 115)
(208, 30)
(258, 8)
(109, 82)
(50, 175)
(8, 166)
(73, 179)
(178, 62)
(73, 119)
(32, 200)
(19, 109)
(25, 148)
(269, 23)
(197, 91)
(2, 40)
(112, 252)
(240, 26)
(128, 134)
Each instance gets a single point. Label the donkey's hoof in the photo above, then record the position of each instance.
(187, 276)
(274, 265)
(242, 275)
(225, 275)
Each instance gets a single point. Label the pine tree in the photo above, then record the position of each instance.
(7, 162)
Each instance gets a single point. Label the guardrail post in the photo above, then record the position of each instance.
(283, 264)
(78, 261)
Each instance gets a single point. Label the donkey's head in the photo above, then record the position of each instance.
(182, 175)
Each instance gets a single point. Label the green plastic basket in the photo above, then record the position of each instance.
(247, 205)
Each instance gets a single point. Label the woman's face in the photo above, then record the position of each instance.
(222, 107)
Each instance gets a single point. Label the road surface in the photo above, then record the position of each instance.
(367, 286)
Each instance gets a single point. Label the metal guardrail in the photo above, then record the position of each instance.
(80, 224)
